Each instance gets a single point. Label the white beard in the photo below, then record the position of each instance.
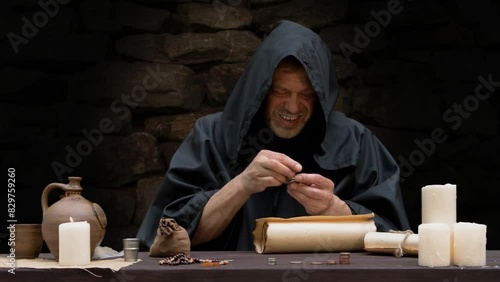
(285, 133)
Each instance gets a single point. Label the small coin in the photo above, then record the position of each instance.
(295, 262)
(317, 262)
(211, 264)
(290, 180)
(331, 262)
(271, 261)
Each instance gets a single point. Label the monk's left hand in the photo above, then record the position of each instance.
(315, 193)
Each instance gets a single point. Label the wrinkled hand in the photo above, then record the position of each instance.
(268, 169)
(314, 192)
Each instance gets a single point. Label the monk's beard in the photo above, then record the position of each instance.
(285, 133)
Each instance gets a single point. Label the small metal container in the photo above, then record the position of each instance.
(131, 249)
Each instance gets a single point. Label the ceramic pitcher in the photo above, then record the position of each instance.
(73, 205)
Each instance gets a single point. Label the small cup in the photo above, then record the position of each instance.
(131, 249)
(28, 241)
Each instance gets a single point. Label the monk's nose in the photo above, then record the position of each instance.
(292, 103)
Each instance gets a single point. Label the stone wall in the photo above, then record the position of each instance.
(107, 90)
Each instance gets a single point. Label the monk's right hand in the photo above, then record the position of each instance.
(268, 169)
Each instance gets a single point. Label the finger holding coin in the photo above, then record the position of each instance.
(291, 180)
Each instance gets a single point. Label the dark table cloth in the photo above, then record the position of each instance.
(250, 266)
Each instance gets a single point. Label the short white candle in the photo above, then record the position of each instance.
(439, 204)
(469, 244)
(434, 244)
(74, 243)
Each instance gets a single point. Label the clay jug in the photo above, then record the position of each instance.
(73, 205)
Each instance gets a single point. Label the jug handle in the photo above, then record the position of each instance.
(72, 186)
(47, 191)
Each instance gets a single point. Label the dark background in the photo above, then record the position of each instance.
(79, 61)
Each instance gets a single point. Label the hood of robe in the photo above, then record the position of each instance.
(286, 39)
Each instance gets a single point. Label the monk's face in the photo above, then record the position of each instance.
(290, 101)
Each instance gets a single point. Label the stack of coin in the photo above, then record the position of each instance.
(345, 258)
(271, 261)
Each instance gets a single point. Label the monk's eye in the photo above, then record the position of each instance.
(279, 92)
(308, 95)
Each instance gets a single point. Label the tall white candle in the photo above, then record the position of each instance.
(469, 244)
(439, 204)
(434, 244)
(74, 243)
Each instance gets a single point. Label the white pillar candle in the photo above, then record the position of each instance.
(439, 204)
(434, 244)
(469, 244)
(74, 243)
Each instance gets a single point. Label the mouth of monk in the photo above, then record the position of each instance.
(289, 120)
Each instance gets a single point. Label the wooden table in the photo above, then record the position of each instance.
(250, 266)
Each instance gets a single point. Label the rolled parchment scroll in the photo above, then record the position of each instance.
(312, 233)
(397, 243)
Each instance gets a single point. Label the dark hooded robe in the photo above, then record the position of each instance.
(221, 145)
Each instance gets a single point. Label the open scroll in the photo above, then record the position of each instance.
(312, 233)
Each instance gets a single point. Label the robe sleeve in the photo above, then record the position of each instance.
(376, 186)
(196, 172)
